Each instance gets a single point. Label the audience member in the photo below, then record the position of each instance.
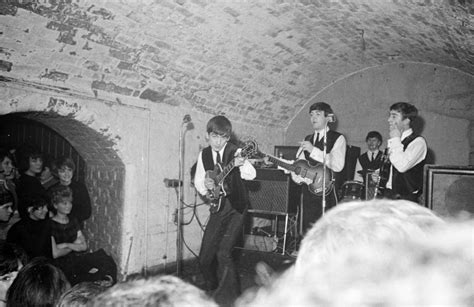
(6, 204)
(33, 233)
(69, 244)
(48, 175)
(364, 222)
(6, 174)
(39, 283)
(164, 290)
(81, 294)
(29, 184)
(81, 209)
(430, 270)
(12, 259)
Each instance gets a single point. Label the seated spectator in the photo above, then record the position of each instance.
(6, 205)
(81, 209)
(81, 294)
(29, 184)
(69, 244)
(164, 290)
(12, 260)
(33, 232)
(431, 270)
(48, 175)
(6, 174)
(39, 283)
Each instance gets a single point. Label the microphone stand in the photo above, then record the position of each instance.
(179, 212)
(324, 168)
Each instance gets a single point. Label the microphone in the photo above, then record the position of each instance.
(187, 122)
(331, 118)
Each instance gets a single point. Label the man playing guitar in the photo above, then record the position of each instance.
(225, 224)
(311, 149)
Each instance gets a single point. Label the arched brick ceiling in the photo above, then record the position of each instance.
(258, 61)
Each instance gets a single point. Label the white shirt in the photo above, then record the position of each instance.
(357, 176)
(247, 171)
(405, 160)
(335, 159)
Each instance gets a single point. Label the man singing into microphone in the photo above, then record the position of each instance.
(311, 149)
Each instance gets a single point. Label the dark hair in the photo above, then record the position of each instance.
(6, 197)
(81, 294)
(65, 161)
(407, 110)
(321, 106)
(50, 163)
(5, 154)
(26, 153)
(39, 283)
(11, 256)
(374, 134)
(219, 125)
(35, 201)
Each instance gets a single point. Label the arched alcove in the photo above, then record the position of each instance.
(97, 162)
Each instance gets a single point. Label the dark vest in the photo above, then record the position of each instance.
(372, 165)
(331, 140)
(236, 190)
(412, 180)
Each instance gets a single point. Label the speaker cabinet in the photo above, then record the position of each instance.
(449, 190)
(273, 192)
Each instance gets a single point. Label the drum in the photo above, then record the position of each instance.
(352, 190)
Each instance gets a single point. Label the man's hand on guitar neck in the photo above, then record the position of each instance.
(209, 183)
(238, 159)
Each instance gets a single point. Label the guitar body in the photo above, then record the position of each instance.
(216, 194)
(315, 175)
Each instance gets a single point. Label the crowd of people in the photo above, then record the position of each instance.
(42, 213)
(386, 251)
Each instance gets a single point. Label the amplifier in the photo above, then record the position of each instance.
(273, 192)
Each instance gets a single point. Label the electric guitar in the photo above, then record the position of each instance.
(312, 174)
(219, 174)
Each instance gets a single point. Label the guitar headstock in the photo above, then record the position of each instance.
(249, 148)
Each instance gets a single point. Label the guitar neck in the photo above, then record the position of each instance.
(225, 171)
(282, 164)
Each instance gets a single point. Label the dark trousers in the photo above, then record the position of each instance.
(217, 264)
(313, 207)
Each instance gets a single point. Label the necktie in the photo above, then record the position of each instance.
(316, 139)
(373, 156)
(218, 158)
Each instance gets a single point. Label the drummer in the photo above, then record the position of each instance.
(371, 159)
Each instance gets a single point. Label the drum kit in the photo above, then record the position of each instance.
(356, 190)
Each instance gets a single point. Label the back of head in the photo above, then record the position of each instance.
(435, 270)
(406, 109)
(321, 106)
(164, 290)
(39, 283)
(81, 294)
(219, 125)
(362, 223)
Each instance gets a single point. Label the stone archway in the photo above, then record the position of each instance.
(104, 174)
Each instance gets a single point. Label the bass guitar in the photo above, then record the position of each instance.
(219, 174)
(312, 174)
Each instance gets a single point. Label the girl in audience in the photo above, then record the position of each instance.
(39, 283)
(69, 244)
(6, 171)
(12, 260)
(29, 184)
(81, 206)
